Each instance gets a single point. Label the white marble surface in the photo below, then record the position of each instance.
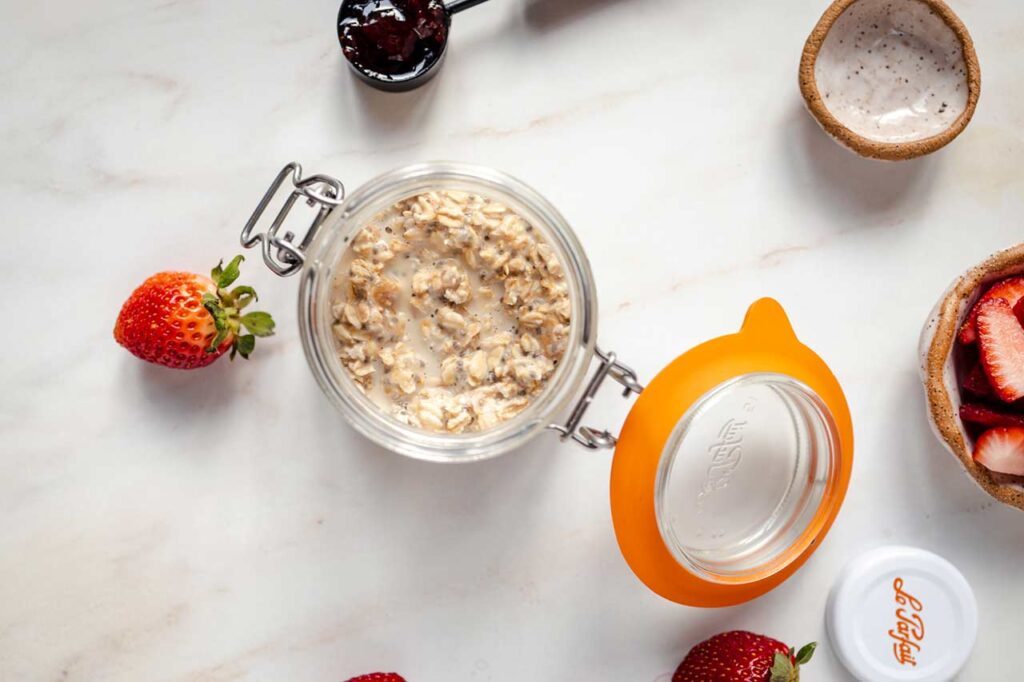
(227, 525)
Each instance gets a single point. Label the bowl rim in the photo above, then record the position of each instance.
(875, 149)
(946, 322)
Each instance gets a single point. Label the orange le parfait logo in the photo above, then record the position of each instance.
(909, 630)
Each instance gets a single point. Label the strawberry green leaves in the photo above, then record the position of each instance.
(223, 277)
(786, 668)
(243, 345)
(805, 653)
(226, 309)
(220, 319)
(243, 296)
(259, 324)
(782, 669)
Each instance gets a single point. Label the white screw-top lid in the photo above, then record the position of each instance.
(900, 613)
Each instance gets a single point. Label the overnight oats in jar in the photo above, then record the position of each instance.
(451, 311)
(448, 311)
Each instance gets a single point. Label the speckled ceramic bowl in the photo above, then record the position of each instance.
(890, 79)
(939, 372)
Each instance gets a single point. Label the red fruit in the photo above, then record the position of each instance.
(1001, 340)
(1001, 450)
(740, 656)
(185, 321)
(378, 677)
(1018, 310)
(986, 416)
(1010, 289)
(976, 383)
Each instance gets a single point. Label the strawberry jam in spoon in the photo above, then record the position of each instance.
(396, 44)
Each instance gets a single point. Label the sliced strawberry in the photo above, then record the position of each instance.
(986, 416)
(976, 383)
(1018, 310)
(1011, 289)
(968, 334)
(1001, 450)
(1001, 339)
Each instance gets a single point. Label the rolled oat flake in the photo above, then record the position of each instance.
(901, 614)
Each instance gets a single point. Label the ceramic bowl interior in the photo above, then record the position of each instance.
(939, 369)
(890, 79)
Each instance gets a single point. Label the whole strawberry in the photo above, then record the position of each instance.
(378, 677)
(740, 656)
(185, 321)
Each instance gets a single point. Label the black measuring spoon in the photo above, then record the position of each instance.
(396, 45)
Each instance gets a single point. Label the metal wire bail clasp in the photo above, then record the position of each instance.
(585, 435)
(282, 253)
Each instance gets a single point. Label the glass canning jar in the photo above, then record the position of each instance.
(320, 254)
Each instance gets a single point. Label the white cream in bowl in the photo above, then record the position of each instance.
(892, 71)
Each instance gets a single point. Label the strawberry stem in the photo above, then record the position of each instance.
(805, 653)
(786, 665)
(225, 307)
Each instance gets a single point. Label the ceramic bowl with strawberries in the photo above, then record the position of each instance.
(972, 365)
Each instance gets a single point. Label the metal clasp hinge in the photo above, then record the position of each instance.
(584, 435)
(282, 253)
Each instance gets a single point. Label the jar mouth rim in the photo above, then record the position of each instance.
(319, 345)
(789, 517)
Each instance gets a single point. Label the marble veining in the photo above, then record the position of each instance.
(227, 525)
(892, 71)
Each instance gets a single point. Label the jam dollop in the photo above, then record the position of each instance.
(393, 38)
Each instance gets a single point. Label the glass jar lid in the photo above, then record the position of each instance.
(732, 465)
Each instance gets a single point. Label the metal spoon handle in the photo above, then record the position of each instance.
(456, 6)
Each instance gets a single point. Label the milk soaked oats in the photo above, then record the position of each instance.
(451, 312)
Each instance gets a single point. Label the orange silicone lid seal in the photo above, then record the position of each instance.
(765, 343)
